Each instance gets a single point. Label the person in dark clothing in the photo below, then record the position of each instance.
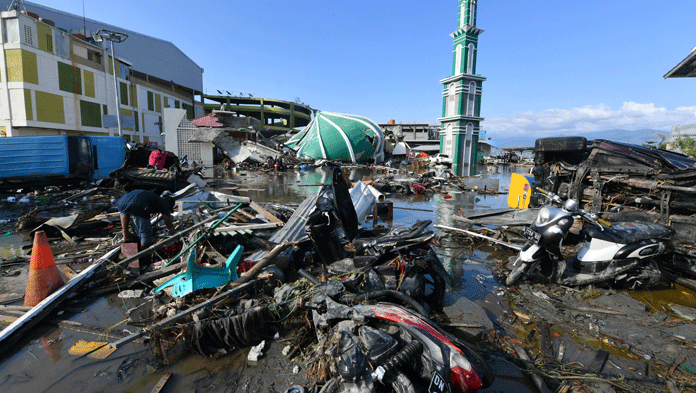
(138, 205)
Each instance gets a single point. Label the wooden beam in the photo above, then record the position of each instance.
(270, 217)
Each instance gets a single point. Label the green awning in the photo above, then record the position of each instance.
(337, 136)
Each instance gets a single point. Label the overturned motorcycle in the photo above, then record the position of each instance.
(623, 253)
(386, 348)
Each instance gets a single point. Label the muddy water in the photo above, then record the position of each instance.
(42, 362)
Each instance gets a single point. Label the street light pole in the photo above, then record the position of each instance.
(118, 105)
(112, 36)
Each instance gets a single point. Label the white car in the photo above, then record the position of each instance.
(441, 159)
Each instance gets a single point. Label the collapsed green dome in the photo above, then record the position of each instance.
(337, 136)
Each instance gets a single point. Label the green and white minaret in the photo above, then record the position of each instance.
(461, 96)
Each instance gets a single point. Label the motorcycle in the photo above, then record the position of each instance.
(396, 350)
(620, 253)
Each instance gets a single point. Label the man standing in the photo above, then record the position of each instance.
(138, 205)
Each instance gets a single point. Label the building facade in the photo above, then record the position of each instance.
(461, 96)
(56, 80)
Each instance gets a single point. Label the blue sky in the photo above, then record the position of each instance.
(552, 67)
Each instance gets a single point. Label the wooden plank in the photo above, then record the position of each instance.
(247, 215)
(545, 338)
(7, 298)
(270, 217)
(160, 384)
(248, 227)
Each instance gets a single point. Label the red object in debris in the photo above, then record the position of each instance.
(209, 120)
(448, 196)
(244, 266)
(173, 248)
(158, 158)
(417, 188)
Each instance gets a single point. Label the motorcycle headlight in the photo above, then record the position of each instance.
(544, 215)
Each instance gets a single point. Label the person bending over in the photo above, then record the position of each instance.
(138, 205)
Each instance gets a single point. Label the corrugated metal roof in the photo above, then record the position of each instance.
(209, 120)
(149, 55)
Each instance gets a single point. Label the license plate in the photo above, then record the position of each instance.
(438, 384)
(530, 235)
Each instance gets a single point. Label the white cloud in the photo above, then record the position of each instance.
(631, 116)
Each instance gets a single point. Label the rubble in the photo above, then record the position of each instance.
(303, 276)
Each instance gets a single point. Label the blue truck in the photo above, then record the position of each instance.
(36, 161)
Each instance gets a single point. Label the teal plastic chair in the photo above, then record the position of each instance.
(198, 277)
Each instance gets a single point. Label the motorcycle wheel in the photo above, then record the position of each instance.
(517, 271)
(401, 384)
(331, 386)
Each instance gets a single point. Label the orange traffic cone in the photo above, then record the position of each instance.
(44, 277)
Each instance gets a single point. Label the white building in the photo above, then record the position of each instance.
(55, 79)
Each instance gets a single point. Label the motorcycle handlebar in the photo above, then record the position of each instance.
(589, 216)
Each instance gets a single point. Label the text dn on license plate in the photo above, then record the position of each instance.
(438, 384)
(531, 235)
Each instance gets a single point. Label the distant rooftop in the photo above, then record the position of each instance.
(149, 55)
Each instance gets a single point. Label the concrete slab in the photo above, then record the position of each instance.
(466, 316)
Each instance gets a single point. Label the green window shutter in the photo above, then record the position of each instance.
(166, 102)
(45, 37)
(150, 101)
(105, 109)
(49, 107)
(90, 114)
(69, 78)
(21, 66)
(13, 63)
(124, 93)
(176, 104)
(89, 84)
(133, 96)
(27, 104)
(158, 103)
(135, 119)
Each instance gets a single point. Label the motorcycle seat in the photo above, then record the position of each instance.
(628, 232)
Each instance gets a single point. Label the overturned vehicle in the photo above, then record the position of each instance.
(624, 182)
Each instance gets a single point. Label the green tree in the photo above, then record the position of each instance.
(687, 145)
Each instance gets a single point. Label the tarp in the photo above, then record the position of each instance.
(337, 136)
